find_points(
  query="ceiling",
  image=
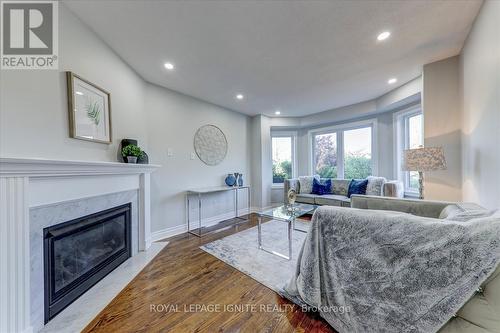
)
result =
(301, 57)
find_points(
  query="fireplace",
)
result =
(80, 252)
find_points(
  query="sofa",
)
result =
(481, 314)
(338, 195)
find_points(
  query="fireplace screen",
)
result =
(81, 252)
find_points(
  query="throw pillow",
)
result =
(357, 186)
(306, 183)
(375, 185)
(322, 187)
(340, 186)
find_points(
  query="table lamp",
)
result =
(424, 159)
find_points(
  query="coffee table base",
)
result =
(291, 227)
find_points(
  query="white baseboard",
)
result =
(205, 222)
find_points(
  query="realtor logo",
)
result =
(29, 36)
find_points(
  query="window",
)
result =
(414, 138)
(410, 135)
(358, 153)
(344, 152)
(325, 155)
(283, 153)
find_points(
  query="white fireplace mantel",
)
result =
(25, 183)
(30, 167)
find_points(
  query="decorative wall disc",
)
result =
(210, 144)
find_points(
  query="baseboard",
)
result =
(168, 232)
(206, 222)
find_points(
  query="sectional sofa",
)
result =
(339, 194)
(481, 314)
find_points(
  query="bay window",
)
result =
(344, 151)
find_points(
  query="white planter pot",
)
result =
(132, 159)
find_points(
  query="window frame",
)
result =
(402, 142)
(293, 136)
(339, 130)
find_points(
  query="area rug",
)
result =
(241, 251)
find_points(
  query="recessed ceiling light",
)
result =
(79, 93)
(384, 35)
(277, 112)
(169, 66)
(240, 96)
(393, 80)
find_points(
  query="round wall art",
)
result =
(210, 144)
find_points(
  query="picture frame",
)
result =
(89, 110)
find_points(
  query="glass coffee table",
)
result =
(288, 214)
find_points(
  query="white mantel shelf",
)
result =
(22, 180)
(37, 167)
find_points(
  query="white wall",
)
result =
(261, 161)
(34, 123)
(480, 87)
(172, 121)
(33, 103)
(442, 127)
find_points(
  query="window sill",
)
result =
(277, 186)
(412, 195)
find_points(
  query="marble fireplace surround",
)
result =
(35, 193)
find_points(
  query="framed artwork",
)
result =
(89, 108)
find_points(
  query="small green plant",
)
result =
(131, 150)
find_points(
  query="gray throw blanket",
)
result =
(389, 271)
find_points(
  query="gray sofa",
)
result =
(481, 314)
(338, 197)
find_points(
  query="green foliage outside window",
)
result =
(357, 166)
(282, 171)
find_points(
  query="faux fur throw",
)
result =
(389, 271)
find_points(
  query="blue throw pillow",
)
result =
(357, 186)
(321, 188)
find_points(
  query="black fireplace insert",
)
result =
(80, 252)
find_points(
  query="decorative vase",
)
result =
(236, 175)
(230, 179)
(132, 159)
(292, 196)
(240, 180)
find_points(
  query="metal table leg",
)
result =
(237, 201)
(260, 231)
(199, 214)
(248, 199)
(236, 205)
(187, 203)
(259, 228)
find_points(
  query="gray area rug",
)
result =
(241, 251)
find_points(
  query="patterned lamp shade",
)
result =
(424, 159)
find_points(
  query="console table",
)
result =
(199, 192)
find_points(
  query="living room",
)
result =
(187, 166)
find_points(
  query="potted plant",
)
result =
(131, 153)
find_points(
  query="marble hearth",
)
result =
(36, 193)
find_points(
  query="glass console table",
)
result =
(198, 193)
(288, 214)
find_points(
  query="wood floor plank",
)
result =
(182, 277)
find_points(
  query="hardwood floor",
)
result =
(174, 293)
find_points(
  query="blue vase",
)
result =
(230, 179)
(240, 180)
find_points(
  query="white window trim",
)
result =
(373, 123)
(285, 134)
(400, 142)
